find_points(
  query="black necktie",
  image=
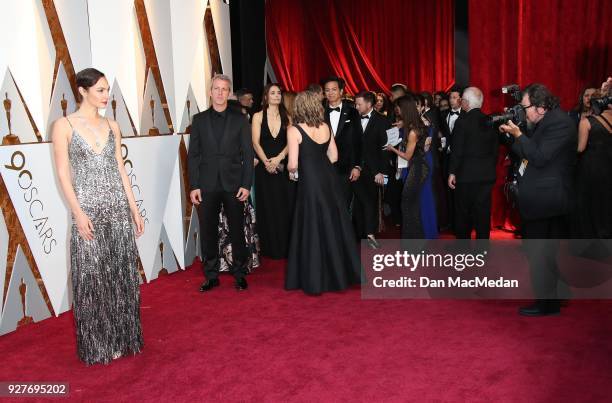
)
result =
(365, 117)
(454, 113)
(337, 109)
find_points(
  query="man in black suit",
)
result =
(472, 167)
(343, 120)
(373, 133)
(544, 188)
(447, 126)
(220, 162)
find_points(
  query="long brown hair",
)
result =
(308, 109)
(409, 114)
(284, 115)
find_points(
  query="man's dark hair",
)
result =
(367, 96)
(541, 96)
(456, 88)
(336, 79)
(242, 92)
(399, 87)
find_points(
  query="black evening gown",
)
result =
(322, 253)
(273, 196)
(594, 186)
(412, 225)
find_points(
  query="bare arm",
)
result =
(583, 134)
(407, 155)
(61, 135)
(332, 149)
(294, 138)
(127, 186)
(256, 134)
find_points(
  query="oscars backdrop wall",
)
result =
(149, 50)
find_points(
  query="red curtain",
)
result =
(372, 44)
(564, 44)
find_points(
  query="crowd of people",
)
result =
(309, 174)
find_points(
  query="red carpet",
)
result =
(267, 344)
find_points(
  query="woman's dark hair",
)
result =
(284, 115)
(87, 78)
(540, 96)
(580, 107)
(386, 108)
(409, 114)
(428, 99)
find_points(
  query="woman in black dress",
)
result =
(594, 177)
(412, 226)
(322, 254)
(273, 196)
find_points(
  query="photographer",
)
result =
(548, 156)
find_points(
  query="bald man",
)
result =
(472, 167)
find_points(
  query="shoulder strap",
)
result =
(108, 123)
(608, 124)
(70, 123)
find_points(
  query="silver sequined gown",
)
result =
(104, 271)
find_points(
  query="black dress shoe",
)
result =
(209, 284)
(241, 284)
(541, 309)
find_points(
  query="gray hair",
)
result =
(473, 96)
(222, 77)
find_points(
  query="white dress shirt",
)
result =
(452, 118)
(334, 119)
(364, 122)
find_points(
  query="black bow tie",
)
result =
(365, 117)
(337, 109)
(454, 113)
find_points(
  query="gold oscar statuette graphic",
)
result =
(153, 130)
(64, 105)
(188, 128)
(10, 138)
(114, 106)
(163, 271)
(26, 319)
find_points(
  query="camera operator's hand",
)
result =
(511, 128)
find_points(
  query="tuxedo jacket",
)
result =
(546, 184)
(229, 159)
(347, 138)
(474, 150)
(373, 158)
(445, 129)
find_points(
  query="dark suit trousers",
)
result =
(541, 245)
(209, 222)
(365, 205)
(473, 210)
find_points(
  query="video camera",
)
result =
(515, 113)
(600, 104)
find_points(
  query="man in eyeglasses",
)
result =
(545, 174)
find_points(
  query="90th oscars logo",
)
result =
(135, 188)
(36, 207)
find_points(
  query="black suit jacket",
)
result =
(374, 158)
(544, 188)
(474, 150)
(445, 129)
(347, 137)
(230, 159)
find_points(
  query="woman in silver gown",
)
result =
(103, 254)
